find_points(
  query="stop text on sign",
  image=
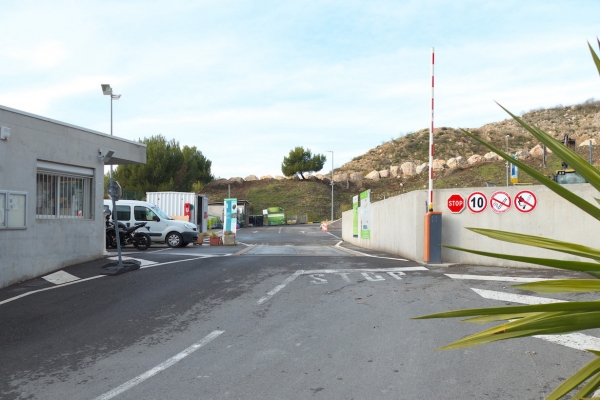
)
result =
(456, 203)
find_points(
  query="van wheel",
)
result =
(174, 239)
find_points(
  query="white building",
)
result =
(51, 190)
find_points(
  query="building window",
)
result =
(61, 195)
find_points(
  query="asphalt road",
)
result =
(289, 313)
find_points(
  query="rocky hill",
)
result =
(400, 165)
(581, 122)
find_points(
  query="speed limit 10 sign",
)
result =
(477, 202)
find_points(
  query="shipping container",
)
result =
(192, 207)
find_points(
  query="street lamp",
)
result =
(331, 151)
(107, 90)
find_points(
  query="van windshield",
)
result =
(159, 212)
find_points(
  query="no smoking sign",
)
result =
(500, 202)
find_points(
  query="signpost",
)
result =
(500, 202)
(514, 173)
(477, 202)
(525, 201)
(456, 203)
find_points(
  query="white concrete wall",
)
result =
(47, 245)
(397, 225)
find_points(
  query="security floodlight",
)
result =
(115, 96)
(106, 89)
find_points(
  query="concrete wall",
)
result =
(397, 225)
(46, 245)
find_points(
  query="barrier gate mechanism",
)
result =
(432, 243)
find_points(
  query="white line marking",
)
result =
(60, 277)
(50, 288)
(341, 272)
(396, 275)
(279, 287)
(143, 263)
(374, 278)
(173, 262)
(577, 341)
(161, 367)
(514, 298)
(365, 254)
(496, 278)
(337, 271)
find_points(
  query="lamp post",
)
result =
(331, 151)
(107, 90)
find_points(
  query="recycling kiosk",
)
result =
(432, 242)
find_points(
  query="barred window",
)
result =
(61, 195)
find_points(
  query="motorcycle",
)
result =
(127, 235)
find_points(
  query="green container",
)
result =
(276, 219)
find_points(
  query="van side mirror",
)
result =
(155, 218)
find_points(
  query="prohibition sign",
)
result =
(525, 201)
(477, 202)
(500, 202)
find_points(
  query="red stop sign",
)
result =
(456, 203)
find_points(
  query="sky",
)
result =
(247, 81)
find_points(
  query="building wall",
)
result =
(397, 225)
(46, 245)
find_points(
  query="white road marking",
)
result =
(279, 287)
(60, 277)
(317, 275)
(577, 341)
(161, 367)
(514, 298)
(374, 278)
(337, 271)
(496, 278)
(317, 279)
(143, 263)
(396, 275)
(50, 288)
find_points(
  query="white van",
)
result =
(161, 228)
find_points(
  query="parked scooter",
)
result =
(141, 240)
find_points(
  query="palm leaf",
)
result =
(595, 56)
(587, 267)
(537, 241)
(537, 324)
(576, 379)
(575, 161)
(484, 319)
(555, 187)
(562, 286)
(575, 307)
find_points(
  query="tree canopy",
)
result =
(168, 168)
(301, 161)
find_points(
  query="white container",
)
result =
(173, 203)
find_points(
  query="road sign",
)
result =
(456, 203)
(500, 202)
(477, 202)
(525, 201)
